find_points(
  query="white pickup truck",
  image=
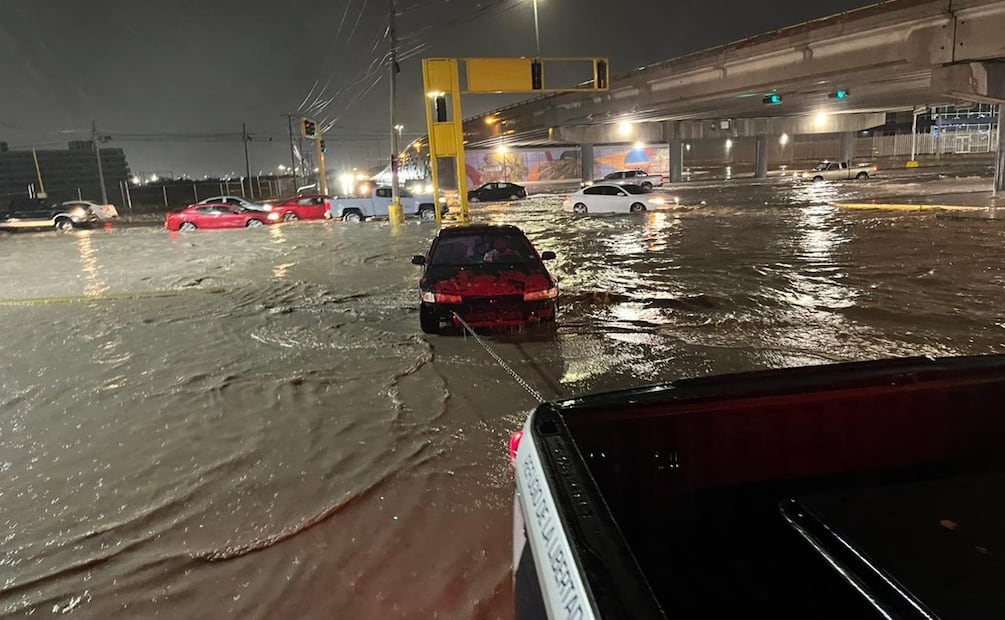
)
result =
(378, 205)
(868, 490)
(839, 171)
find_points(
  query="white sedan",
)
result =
(102, 212)
(610, 198)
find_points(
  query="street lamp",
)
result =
(399, 129)
(537, 31)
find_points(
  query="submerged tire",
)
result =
(428, 322)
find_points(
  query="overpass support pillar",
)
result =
(677, 161)
(1000, 156)
(848, 146)
(586, 159)
(761, 158)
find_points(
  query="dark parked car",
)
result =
(28, 213)
(497, 191)
(489, 276)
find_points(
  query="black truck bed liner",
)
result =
(853, 490)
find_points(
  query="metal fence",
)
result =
(182, 193)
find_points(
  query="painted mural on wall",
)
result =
(607, 159)
(522, 166)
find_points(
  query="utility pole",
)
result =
(38, 173)
(247, 161)
(396, 213)
(97, 155)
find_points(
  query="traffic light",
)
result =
(536, 75)
(772, 99)
(440, 105)
(602, 75)
(841, 93)
(310, 129)
(324, 149)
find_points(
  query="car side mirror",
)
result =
(548, 255)
(418, 260)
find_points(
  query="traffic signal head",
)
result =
(310, 129)
(324, 149)
(602, 75)
(536, 75)
(772, 99)
(841, 93)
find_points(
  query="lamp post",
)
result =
(537, 31)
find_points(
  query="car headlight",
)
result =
(273, 216)
(658, 201)
(429, 189)
(550, 293)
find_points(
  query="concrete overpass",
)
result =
(889, 56)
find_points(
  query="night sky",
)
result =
(165, 76)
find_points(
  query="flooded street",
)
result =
(250, 423)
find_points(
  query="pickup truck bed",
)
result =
(864, 490)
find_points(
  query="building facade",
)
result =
(66, 174)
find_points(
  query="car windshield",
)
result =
(482, 248)
(634, 189)
(820, 167)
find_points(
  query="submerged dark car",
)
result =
(497, 191)
(489, 276)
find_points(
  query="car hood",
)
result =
(487, 280)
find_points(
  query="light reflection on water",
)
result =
(307, 422)
(94, 286)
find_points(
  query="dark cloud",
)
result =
(197, 67)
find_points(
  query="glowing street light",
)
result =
(625, 128)
(784, 139)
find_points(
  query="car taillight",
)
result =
(550, 293)
(439, 298)
(514, 445)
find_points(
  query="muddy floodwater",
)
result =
(250, 423)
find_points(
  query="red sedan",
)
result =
(303, 208)
(218, 216)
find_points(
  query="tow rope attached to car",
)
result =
(516, 376)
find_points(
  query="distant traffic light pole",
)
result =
(309, 130)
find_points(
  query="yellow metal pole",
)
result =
(434, 163)
(462, 168)
(322, 166)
